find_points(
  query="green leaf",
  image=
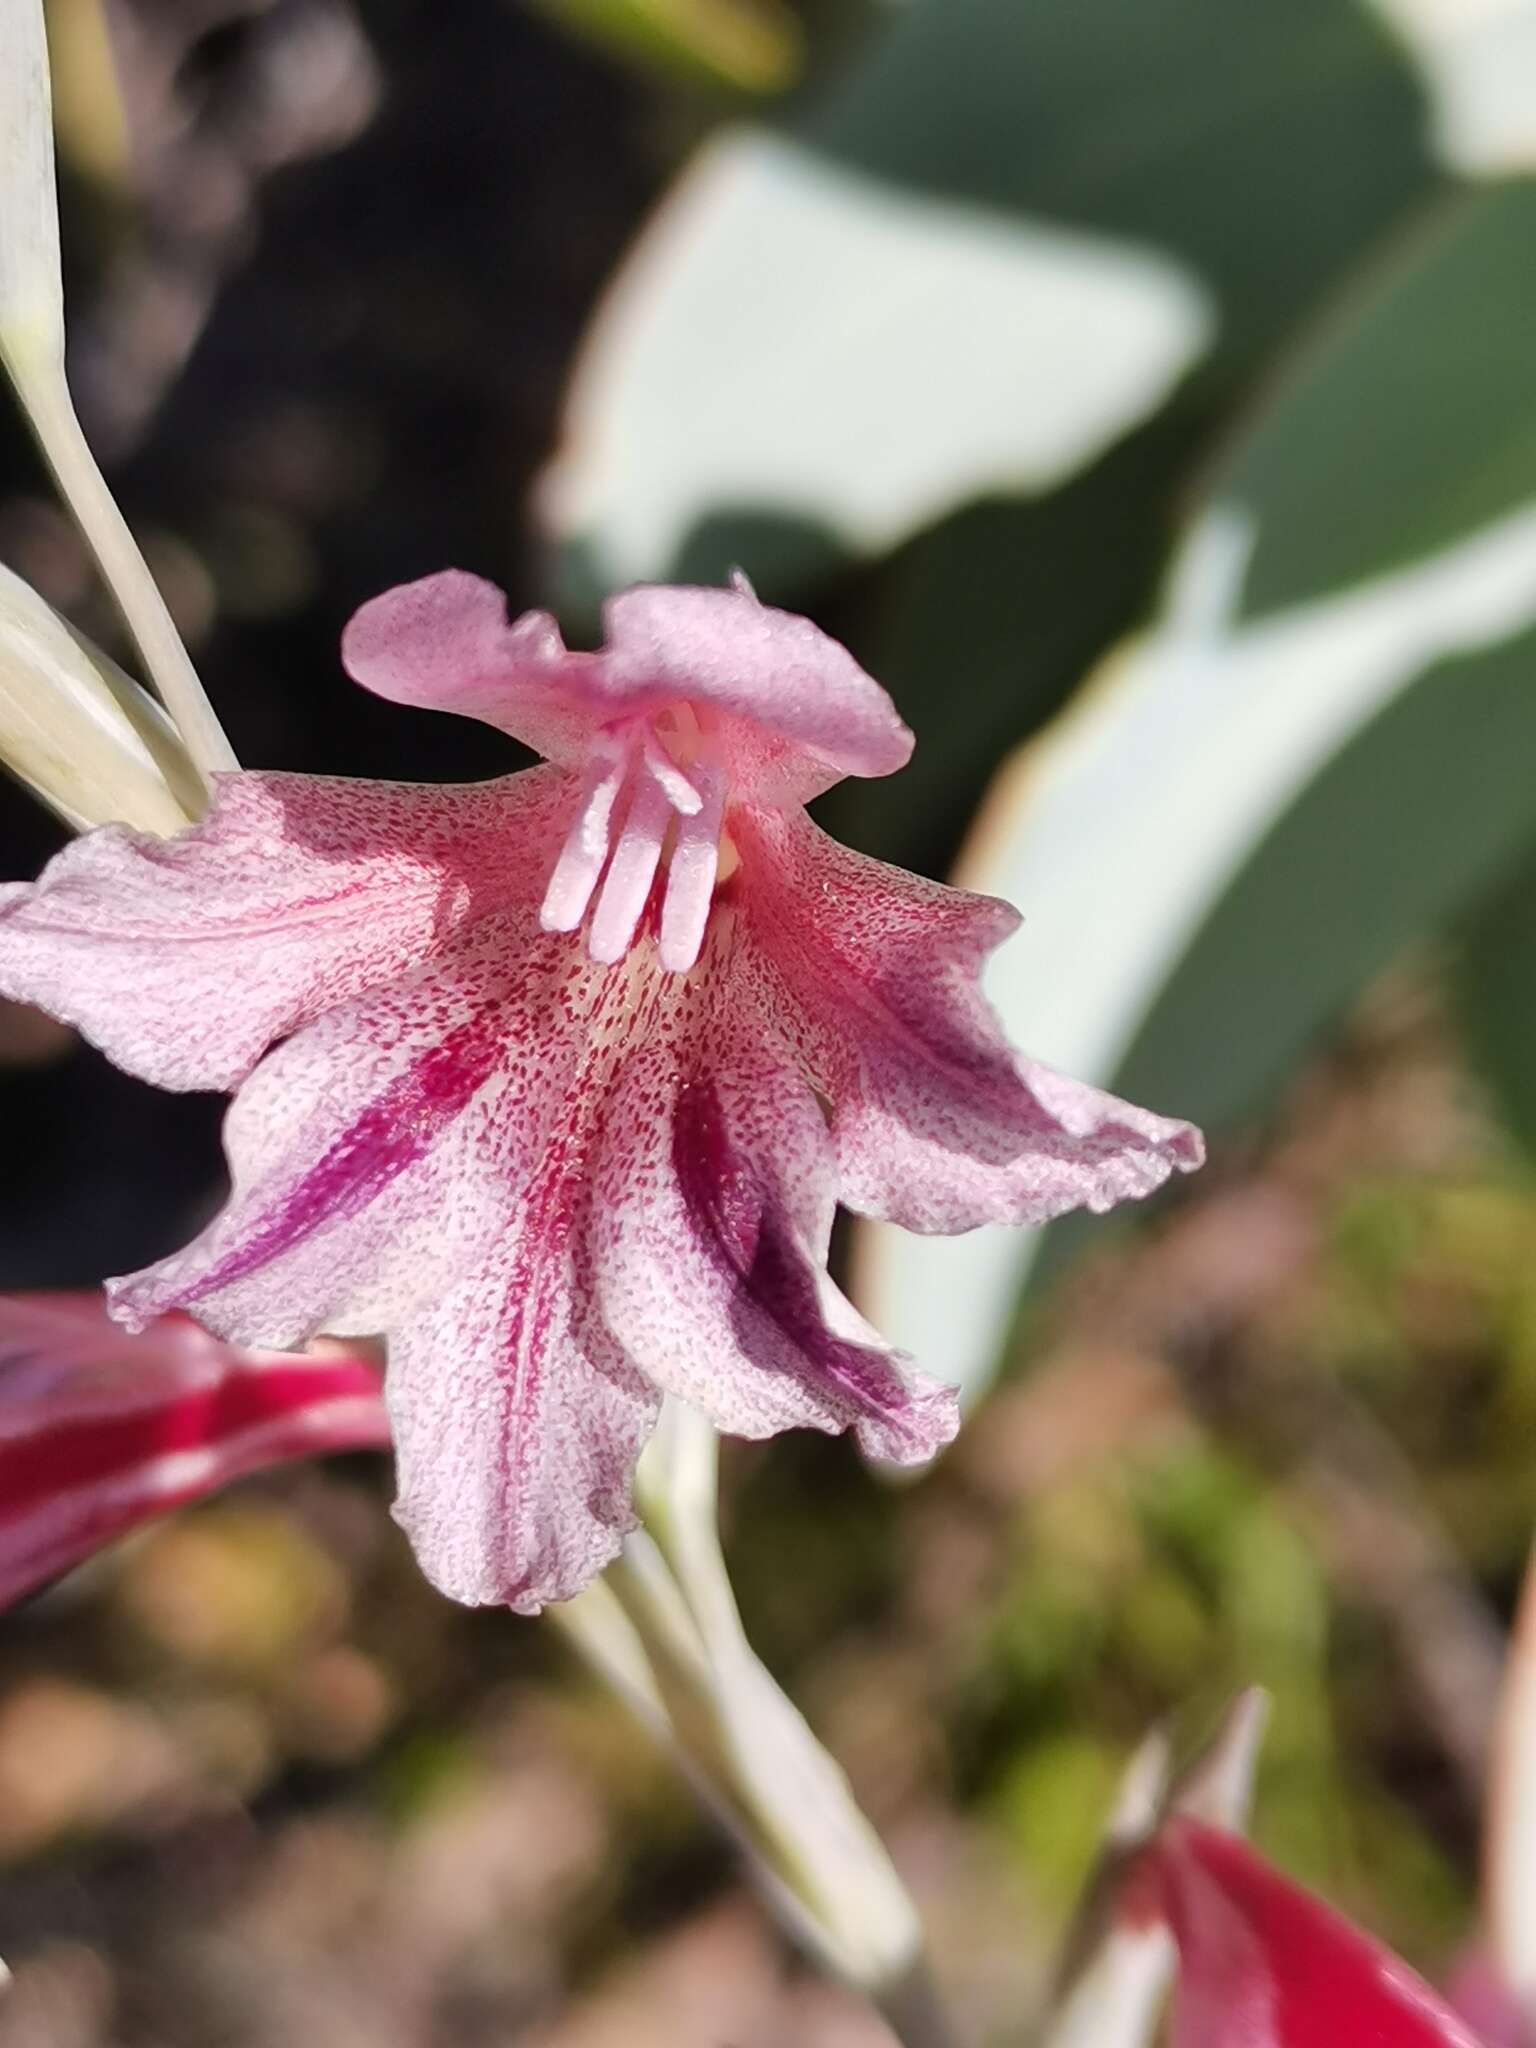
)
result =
(1413, 423)
(1494, 979)
(1260, 146)
(1405, 826)
(1252, 811)
(982, 254)
(824, 358)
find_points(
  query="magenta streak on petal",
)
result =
(393, 1131)
(742, 1229)
(532, 1334)
(631, 872)
(691, 876)
(586, 847)
(541, 1291)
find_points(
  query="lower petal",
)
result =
(713, 1211)
(517, 1426)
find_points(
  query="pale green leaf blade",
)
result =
(808, 346)
(1510, 1821)
(1479, 62)
(32, 353)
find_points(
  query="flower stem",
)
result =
(662, 1626)
(45, 395)
(634, 1628)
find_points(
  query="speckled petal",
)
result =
(794, 712)
(184, 958)
(417, 1162)
(818, 715)
(872, 974)
(715, 1194)
(445, 643)
(517, 1425)
(379, 1154)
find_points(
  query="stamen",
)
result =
(630, 872)
(681, 793)
(586, 846)
(691, 876)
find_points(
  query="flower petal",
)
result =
(418, 1162)
(517, 1423)
(824, 717)
(445, 643)
(184, 958)
(100, 1431)
(939, 1125)
(379, 1153)
(715, 1194)
(799, 713)
(1263, 1964)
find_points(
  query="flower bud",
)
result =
(81, 734)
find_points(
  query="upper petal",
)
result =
(939, 1124)
(99, 1431)
(715, 1192)
(184, 958)
(794, 712)
(811, 714)
(445, 643)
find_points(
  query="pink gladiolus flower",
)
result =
(566, 1072)
(1263, 1964)
(100, 1431)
